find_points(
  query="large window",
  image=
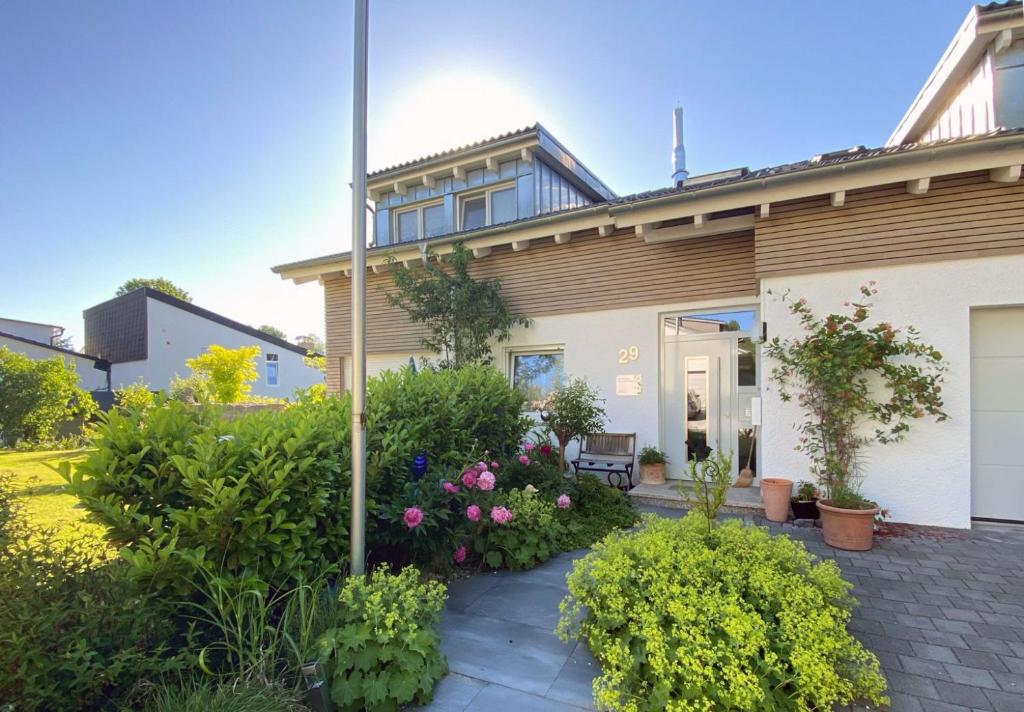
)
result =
(273, 369)
(536, 374)
(420, 222)
(488, 207)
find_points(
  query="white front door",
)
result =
(700, 401)
(997, 414)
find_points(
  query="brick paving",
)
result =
(942, 609)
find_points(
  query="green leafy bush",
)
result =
(38, 396)
(136, 396)
(573, 411)
(384, 651)
(71, 630)
(182, 489)
(595, 511)
(227, 373)
(531, 538)
(735, 619)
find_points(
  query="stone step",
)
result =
(741, 500)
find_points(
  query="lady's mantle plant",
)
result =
(846, 374)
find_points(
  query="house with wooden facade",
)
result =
(662, 299)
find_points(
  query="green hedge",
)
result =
(734, 620)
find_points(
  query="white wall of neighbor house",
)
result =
(926, 479)
(42, 333)
(89, 377)
(175, 335)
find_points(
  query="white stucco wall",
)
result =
(27, 330)
(925, 479)
(175, 335)
(89, 377)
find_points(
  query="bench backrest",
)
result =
(610, 443)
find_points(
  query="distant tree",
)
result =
(226, 373)
(37, 396)
(64, 342)
(273, 331)
(158, 283)
(311, 342)
(463, 314)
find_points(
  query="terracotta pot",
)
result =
(775, 494)
(652, 474)
(847, 529)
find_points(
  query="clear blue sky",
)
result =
(207, 141)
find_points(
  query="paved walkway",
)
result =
(942, 609)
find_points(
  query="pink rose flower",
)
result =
(412, 517)
(469, 478)
(473, 513)
(485, 481)
(481, 466)
(495, 465)
(450, 488)
(460, 555)
(528, 446)
(545, 449)
(524, 460)
(563, 501)
(501, 515)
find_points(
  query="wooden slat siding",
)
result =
(590, 273)
(961, 216)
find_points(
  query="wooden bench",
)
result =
(609, 453)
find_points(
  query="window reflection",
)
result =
(537, 375)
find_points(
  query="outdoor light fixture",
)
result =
(419, 466)
(318, 696)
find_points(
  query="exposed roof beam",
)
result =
(699, 219)
(479, 252)
(1003, 41)
(347, 272)
(1005, 174)
(492, 164)
(381, 267)
(429, 182)
(401, 188)
(606, 230)
(709, 227)
(526, 155)
(458, 173)
(838, 198)
(642, 229)
(919, 186)
(520, 245)
(373, 195)
(410, 262)
(562, 237)
(765, 209)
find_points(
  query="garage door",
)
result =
(997, 414)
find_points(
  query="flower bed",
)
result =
(681, 618)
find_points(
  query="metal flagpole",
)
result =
(358, 527)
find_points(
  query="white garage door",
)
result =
(997, 414)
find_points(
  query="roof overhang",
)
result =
(717, 209)
(980, 28)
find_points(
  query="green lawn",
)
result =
(40, 488)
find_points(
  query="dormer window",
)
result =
(488, 207)
(420, 222)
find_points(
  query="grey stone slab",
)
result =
(965, 695)
(453, 693)
(972, 676)
(1010, 682)
(495, 697)
(939, 653)
(574, 684)
(510, 654)
(521, 601)
(463, 592)
(1005, 701)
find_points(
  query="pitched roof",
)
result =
(100, 363)
(853, 155)
(518, 133)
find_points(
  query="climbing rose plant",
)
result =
(847, 373)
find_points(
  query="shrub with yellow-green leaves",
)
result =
(737, 619)
(384, 651)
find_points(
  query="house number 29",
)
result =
(629, 354)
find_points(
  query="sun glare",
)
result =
(446, 110)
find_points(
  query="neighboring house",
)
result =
(147, 336)
(36, 341)
(661, 299)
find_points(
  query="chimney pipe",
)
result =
(679, 172)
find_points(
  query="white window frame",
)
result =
(418, 208)
(544, 350)
(276, 360)
(486, 193)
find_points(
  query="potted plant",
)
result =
(847, 373)
(775, 494)
(805, 503)
(652, 465)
